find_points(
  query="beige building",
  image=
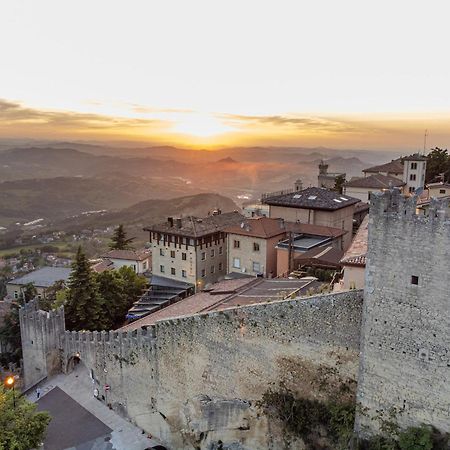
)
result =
(252, 246)
(191, 249)
(315, 206)
(362, 188)
(139, 260)
(438, 190)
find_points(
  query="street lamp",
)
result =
(10, 383)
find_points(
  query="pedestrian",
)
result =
(38, 393)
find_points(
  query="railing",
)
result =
(267, 195)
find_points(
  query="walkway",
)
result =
(78, 386)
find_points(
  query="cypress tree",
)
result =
(119, 240)
(85, 307)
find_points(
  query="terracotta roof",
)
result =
(356, 254)
(132, 255)
(262, 227)
(415, 157)
(321, 257)
(196, 227)
(312, 198)
(375, 181)
(439, 184)
(101, 266)
(395, 166)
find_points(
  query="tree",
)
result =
(339, 184)
(119, 240)
(10, 335)
(438, 162)
(120, 289)
(85, 307)
(27, 293)
(51, 295)
(21, 427)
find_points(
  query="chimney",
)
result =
(170, 220)
(179, 223)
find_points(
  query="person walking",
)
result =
(38, 393)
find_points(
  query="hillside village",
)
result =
(297, 243)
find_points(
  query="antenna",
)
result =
(425, 141)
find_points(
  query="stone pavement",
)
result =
(78, 385)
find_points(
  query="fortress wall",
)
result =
(41, 335)
(214, 368)
(195, 381)
(405, 361)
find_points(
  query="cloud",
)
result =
(14, 114)
(291, 123)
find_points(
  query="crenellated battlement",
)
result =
(392, 204)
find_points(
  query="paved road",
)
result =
(71, 424)
(78, 387)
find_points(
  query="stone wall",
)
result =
(42, 338)
(194, 382)
(405, 360)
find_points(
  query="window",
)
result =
(411, 189)
(16, 295)
(255, 247)
(220, 266)
(161, 252)
(183, 273)
(184, 256)
(413, 166)
(172, 253)
(236, 263)
(213, 253)
(203, 256)
(144, 265)
(441, 191)
(134, 267)
(172, 271)
(161, 269)
(236, 244)
(412, 177)
(414, 279)
(213, 269)
(203, 273)
(220, 250)
(256, 267)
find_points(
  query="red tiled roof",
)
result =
(395, 166)
(356, 254)
(262, 227)
(376, 181)
(133, 255)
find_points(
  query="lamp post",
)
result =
(10, 383)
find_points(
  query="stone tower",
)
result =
(405, 351)
(42, 335)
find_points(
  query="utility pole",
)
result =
(425, 141)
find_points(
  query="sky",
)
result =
(204, 73)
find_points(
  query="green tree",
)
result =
(21, 427)
(51, 293)
(339, 184)
(112, 289)
(85, 307)
(10, 335)
(438, 162)
(416, 438)
(27, 293)
(120, 289)
(119, 240)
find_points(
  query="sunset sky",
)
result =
(344, 74)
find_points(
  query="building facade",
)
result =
(252, 244)
(316, 206)
(191, 249)
(139, 260)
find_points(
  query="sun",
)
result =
(200, 125)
